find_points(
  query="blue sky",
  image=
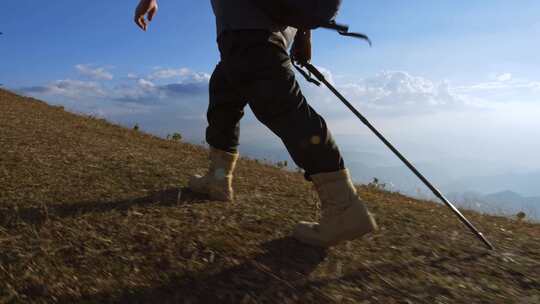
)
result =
(461, 40)
(450, 82)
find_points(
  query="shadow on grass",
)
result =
(38, 215)
(386, 273)
(281, 271)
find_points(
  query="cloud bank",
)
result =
(98, 73)
(422, 115)
(155, 88)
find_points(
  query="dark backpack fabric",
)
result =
(303, 14)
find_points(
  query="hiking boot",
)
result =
(217, 183)
(344, 216)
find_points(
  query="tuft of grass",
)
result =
(92, 212)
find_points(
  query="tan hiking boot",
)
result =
(344, 215)
(217, 183)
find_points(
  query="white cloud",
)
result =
(199, 78)
(143, 90)
(99, 73)
(152, 88)
(147, 91)
(75, 89)
(390, 100)
(401, 91)
(388, 93)
(186, 75)
(504, 77)
(504, 85)
(165, 73)
(146, 84)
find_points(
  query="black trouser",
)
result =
(255, 69)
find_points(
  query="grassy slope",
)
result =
(90, 212)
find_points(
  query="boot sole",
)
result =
(347, 235)
(350, 235)
(212, 194)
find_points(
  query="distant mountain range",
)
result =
(526, 184)
(504, 203)
(488, 194)
(497, 193)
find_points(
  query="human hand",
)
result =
(148, 9)
(301, 49)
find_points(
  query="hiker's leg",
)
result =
(262, 72)
(303, 131)
(225, 110)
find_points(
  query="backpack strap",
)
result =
(343, 30)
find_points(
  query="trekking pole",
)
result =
(314, 71)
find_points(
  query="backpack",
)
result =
(302, 14)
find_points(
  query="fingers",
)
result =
(141, 22)
(137, 22)
(152, 13)
(145, 9)
(301, 53)
(144, 23)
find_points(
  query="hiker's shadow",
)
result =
(283, 268)
(39, 214)
(281, 271)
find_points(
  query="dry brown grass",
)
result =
(90, 212)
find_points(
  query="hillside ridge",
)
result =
(94, 212)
